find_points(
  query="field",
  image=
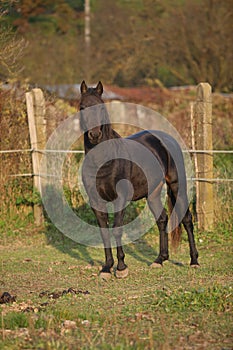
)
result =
(51, 294)
(61, 303)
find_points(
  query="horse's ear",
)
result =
(83, 87)
(99, 88)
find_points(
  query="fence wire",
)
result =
(44, 151)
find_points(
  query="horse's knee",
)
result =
(102, 218)
(162, 220)
(117, 236)
(188, 220)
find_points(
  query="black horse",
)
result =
(101, 181)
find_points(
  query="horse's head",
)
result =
(92, 112)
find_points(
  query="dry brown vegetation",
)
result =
(154, 43)
(16, 192)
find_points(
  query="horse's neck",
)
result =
(109, 133)
(115, 134)
(87, 145)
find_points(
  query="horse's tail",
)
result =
(175, 226)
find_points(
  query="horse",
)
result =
(96, 126)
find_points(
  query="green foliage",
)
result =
(14, 320)
(223, 165)
(78, 5)
(166, 76)
(29, 199)
(214, 299)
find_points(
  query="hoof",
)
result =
(195, 266)
(105, 276)
(122, 273)
(156, 265)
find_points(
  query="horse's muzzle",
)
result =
(95, 136)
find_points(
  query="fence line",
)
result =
(17, 150)
(211, 180)
(209, 151)
(23, 175)
(81, 151)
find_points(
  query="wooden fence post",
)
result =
(37, 130)
(201, 122)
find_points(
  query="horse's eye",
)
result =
(81, 107)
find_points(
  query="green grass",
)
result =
(175, 307)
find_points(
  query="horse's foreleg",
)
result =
(122, 270)
(163, 239)
(102, 219)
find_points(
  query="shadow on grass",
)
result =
(67, 246)
(141, 250)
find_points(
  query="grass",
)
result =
(175, 307)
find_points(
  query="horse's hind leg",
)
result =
(160, 214)
(185, 216)
(188, 225)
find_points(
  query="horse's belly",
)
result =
(140, 187)
(106, 191)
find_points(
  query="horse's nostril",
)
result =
(95, 135)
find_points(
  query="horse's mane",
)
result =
(108, 131)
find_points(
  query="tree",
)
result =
(11, 50)
(182, 43)
(198, 39)
(123, 38)
(139, 42)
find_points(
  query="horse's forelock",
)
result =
(90, 98)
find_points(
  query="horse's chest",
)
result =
(106, 184)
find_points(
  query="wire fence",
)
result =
(44, 151)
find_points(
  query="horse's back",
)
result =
(156, 138)
(166, 149)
